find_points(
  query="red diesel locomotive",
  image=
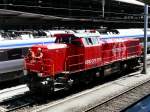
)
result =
(73, 59)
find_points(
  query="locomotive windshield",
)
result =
(67, 39)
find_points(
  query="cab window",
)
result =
(3, 55)
(63, 40)
(94, 40)
(89, 41)
(66, 40)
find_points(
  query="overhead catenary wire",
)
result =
(69, 9)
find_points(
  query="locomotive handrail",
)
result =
(52, 69)
(116, 57)
(75, 64)
(121, 57)
(75, 55)
(71, 65)
(132, 46)
(51, 66)
(43, 64)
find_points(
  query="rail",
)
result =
(58, 102)
(72, 100)
(116, 96)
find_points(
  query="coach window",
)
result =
(14, 54)
(141, 39)
(3, 55)
(148, 39)
(24, 51)
(39, 34)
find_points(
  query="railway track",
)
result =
(20, 101)
(111, 103)
(124, 99)
(25, 100)
(8, 93)
(12, 95)
(15, 103)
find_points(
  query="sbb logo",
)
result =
(119, 49)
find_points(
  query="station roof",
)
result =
(145, 1)
(137, 2)
(13, 15)
(132, 2)
(8, 13)
(20, 14)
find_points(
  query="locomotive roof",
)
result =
(112, 40)
(78, 35)
(86, 35)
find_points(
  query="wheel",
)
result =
(33, 89)
(124, 69)
(49, 88)
(87, 77)
(69, 84)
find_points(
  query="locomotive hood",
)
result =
(46, 59)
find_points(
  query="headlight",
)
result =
(39, 74)
(25, 72)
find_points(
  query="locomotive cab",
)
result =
(55, 61)
(69, 39)
(75, 49)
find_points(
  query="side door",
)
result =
(92, 53)
(76, 55)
